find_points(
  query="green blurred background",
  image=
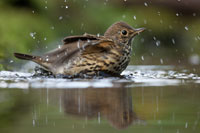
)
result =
(36, 26)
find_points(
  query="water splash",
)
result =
(32, 34)
(60, 18)
(133, 76)
(186, 28)
(145, 4)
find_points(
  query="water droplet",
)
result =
(59, 46)
(61, 17)
(33, 11)
(194, 59)
(65, 0)
(145, 21)
(186, 28)
(33, 122)
(98, 35)
(186, 125)
(66, 7)
(154, 38)
(142, 57)
(45, 38)
(173, 41)
(52, 27)
(124, 16)
(158, 13)
(158, 43)
(32, 34)
(177, 14)
(45, 7)
(47, 59)
(145, 4)
(161, 61)
(11, 61)
(78, 45)
(99, 117)
(134, 17)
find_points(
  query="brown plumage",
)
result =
(90, 54)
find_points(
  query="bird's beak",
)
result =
(139, 30)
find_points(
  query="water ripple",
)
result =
(134, 76)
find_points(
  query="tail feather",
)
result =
(36, 59)
(25, 56)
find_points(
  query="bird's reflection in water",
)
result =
(113, 104)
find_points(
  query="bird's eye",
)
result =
(124, 32)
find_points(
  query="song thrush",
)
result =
(91, 55)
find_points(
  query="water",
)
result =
(150, 99)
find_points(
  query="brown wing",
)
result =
(76, 46)
(86, 47)
(85, 37)
(71, 44)
(102, 45)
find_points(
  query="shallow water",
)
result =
(150, 99)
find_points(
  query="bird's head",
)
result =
(122, 32)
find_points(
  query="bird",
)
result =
(91, 55)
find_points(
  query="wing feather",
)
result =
(76, 46)
(85, 37)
